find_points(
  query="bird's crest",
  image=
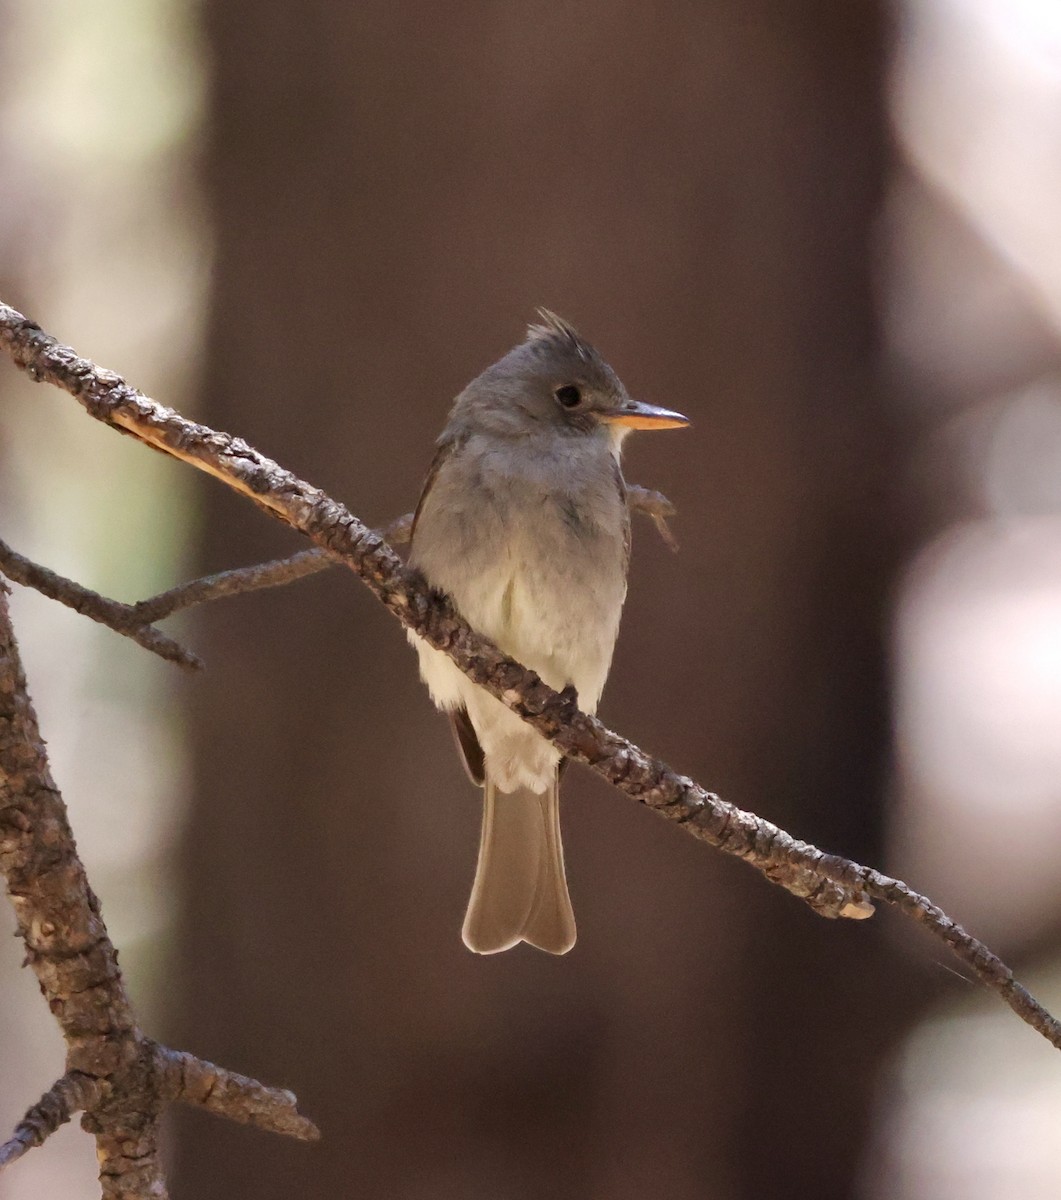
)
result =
(553, 326)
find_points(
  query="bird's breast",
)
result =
(534, 558)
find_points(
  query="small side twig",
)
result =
(196, 1082)
(656, 506)
(112, 613)
(136, 621)
(400, 531)
(67, 1096)
(280, 571)
(275, 573)
(232, 583)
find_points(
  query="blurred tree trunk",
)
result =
(395, 187)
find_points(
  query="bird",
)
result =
(523, 523)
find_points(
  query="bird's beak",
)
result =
(635, 415)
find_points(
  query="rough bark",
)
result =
(119, 1079)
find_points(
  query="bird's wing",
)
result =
(446, 447)
(464, 734)
(620, 484)
(467, 740)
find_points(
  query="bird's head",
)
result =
(555, 381)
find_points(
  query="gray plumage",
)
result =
(523, 522)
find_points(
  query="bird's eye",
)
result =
(569, 396)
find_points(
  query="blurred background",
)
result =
(828, 232)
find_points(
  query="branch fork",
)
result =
(116, 1076)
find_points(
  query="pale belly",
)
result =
(546, 587)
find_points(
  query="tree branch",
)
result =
(832, 885)
(135, 621)
(281, 571)
(196, 1082)
(655, 506)
(67, 1096)
(120, 617)
(274, 573)
(116, 1076)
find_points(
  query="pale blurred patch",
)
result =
(978, 110)
(106, 245)
(979, 643)
(974, 313)
(950, 1135)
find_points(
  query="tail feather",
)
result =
(520, 890)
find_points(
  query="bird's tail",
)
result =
(520, 890)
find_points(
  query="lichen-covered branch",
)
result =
(833, 886)
(116, 1076)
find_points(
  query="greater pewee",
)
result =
(523, 522)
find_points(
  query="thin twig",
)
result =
(654, 505)
(67, 1096)
(233, 583)
(832, 885)
(281, 571)
(135, 621)
(275, 573)
(117, 616)
(400, 531)
(196, 1082)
